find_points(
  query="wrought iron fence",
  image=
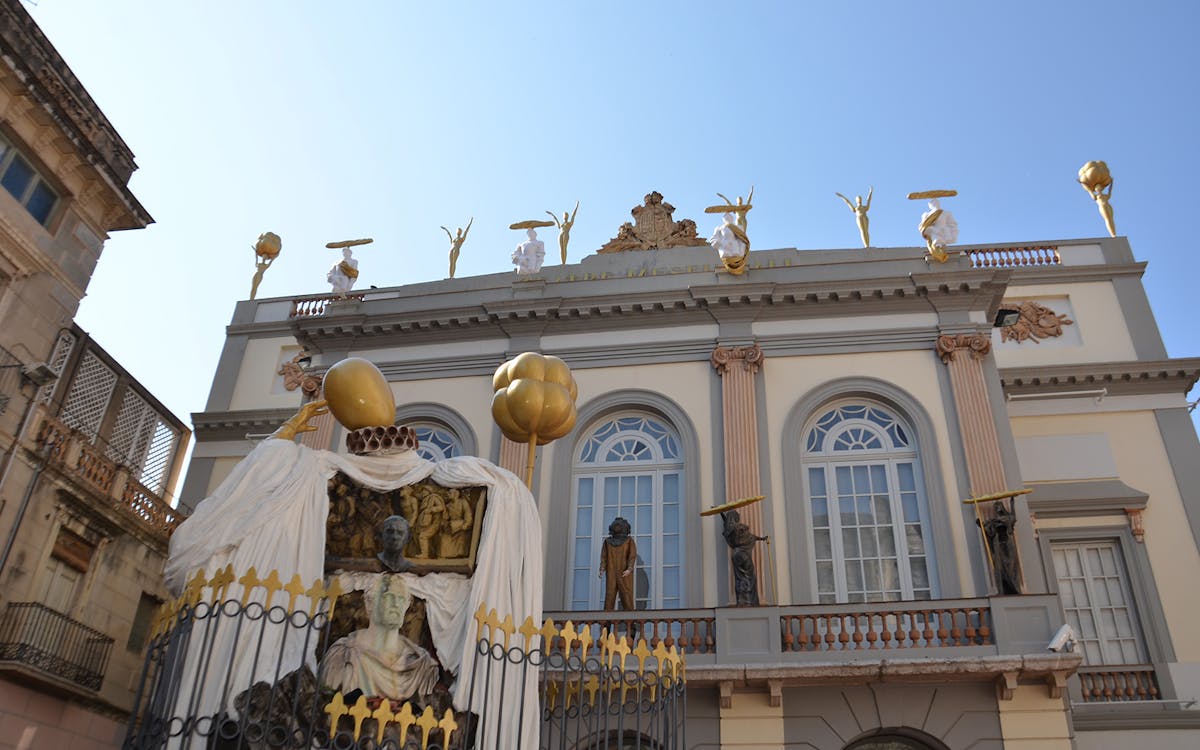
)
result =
(33, 634)
(227, 667)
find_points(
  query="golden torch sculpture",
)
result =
(533, 402)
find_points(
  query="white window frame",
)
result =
(891, 457)
(598, 470)
(1104, 647)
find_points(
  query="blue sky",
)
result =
(328, 121)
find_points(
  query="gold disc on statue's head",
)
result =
(359, 395)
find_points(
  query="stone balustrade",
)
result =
(314, 305)
(1118, 683)
(1014, 257)
(73, 453)
(897, 626)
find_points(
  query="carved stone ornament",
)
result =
(1035, 322)
(295, 377)
(750, 357)
(976, 344)
(654, 228)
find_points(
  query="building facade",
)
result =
(86, 453)
(865, 393)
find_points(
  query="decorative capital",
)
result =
(977, 344)
(750, 357)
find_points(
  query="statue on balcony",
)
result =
(999, 532)
(938, 226)
(530, 254)
(345, 272)
(741, 541)
(378, 660)
(618, 557)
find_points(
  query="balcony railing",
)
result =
(1118, 683)
(1014, 257)
(894, 625)
(308, 307)
(36, 636)
(71, 452)
(940, 624)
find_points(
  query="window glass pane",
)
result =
(816, 482)
(916, 545)
(41, 202)
(820, 512)
(825, 577)
(627, 488)
(583, 522)
(670, 518)
(670, 579)
(867, 542)
(644, 521)
(883, 509)
(17, 177)
(854, 576)
(585, 491)
(670, 549)
(645, 489)
(850, 542)
(583, 553)
(824, 545)
(905, 473)
(670, 488)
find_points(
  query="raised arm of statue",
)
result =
(298, 423)
(870, 192)
(846, 200)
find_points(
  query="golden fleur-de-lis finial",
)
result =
(642, 653)
(592, 687)
(405, 718)
(332, 592)
(272, 584)
(191, 591)
(661, 654)
(507, 627)
(382, 716)
(220, 583)
(568, 635)
(548, 632)
(248, 582)
(528, 630)
(360, 712)
(448, 725)
(427, 723)
(294, 588)
(315, 594)
(336, 709)
(585, 642)
(481, 620)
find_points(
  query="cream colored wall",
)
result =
(1032, 719)
(1097, 314)
(789, 379)
(688, 384)
(256, 378)
(471, 397)
(1142, 463)
(221, 469)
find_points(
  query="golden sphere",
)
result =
(534, 395)
(1095, 176)
(268, 246)
(359, 395)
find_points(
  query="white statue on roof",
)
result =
(530, 254)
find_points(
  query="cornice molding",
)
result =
(1119, 378)
(46, 78)
(379, 322)
(233, 425)
(1075, 274)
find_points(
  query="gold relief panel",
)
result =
(443, 526)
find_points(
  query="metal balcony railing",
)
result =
(37, 636)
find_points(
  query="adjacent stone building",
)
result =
(866, 393)
(86, 453)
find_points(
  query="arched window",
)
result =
(629, 465)
(870, 519)
(435, 442)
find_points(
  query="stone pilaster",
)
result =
(964, 355)
(513, 456)
(737, 367)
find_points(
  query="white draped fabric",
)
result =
(270, 514)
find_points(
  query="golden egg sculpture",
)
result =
(534, 398)
(268, 246)
(359, 395)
